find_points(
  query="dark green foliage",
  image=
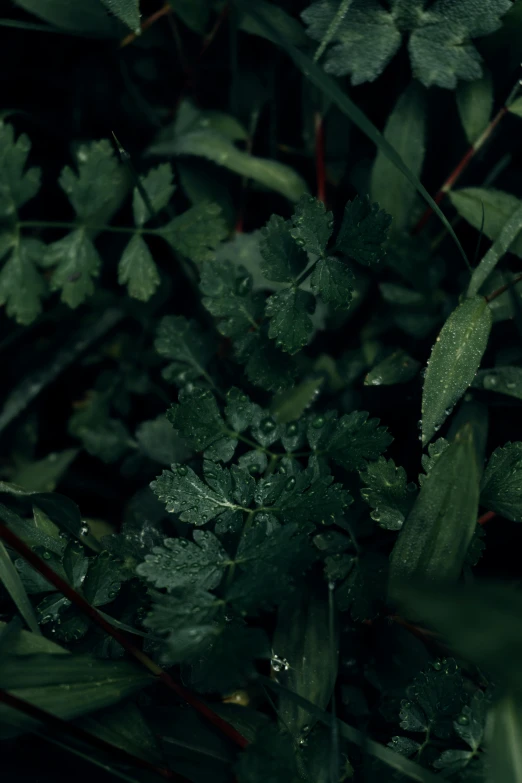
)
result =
(233, 546)
(439, 44)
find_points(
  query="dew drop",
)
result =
(318, 422)
(84, 530)
(244, 286)
(463, 720)
(266, 426)
(182, 470)
(291, 429)
(290, 483)
(46, 555)
(254, 470)
(437, 666)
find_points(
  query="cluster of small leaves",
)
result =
(96, 577)
(439, 37)
(96, 190)
(439, 707)
(260, 545)
(297, 255)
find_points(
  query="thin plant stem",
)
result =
(320, 169)
(131, 37)
(503, 288)
(462, 165)
(486, 517)
(16, 543)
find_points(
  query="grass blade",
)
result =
(500, 246)
(331, 89)
(10, 579)
(386, 755)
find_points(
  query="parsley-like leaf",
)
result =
(387, 492)
(333, 281)
(198, 419)
(17, 186)
(437, 697)
(440, 48)
(367, 26)
(363, 231)
(269, 563)
(184, 493)
(95, 191)
(137, 270)
(283, 258)
(159, 187)
(187, 346)
(501, 487)
(290, 323)
(197, 232)
(312, 225)
(349, 441)
(77, 263)
(21, 285)
(180, 563)
(227, 295)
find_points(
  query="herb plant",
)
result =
(261, 477)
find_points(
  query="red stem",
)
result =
(163, 11)
(460, 167)
(22, 549)
(486, 517)
(503, 289)
(62, 727)
(319, 157)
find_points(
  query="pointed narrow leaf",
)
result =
(80, 16)
(505, 741)
(216, 147)
(405, 130)
(503, 380)
(474, 102)
(66, 685)
(481, 622)
(396, 368)
(434, 540)
(302, 639)
(127, 11)
(497, 206)
(510, 231)
(10, 579)
(454, 361)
